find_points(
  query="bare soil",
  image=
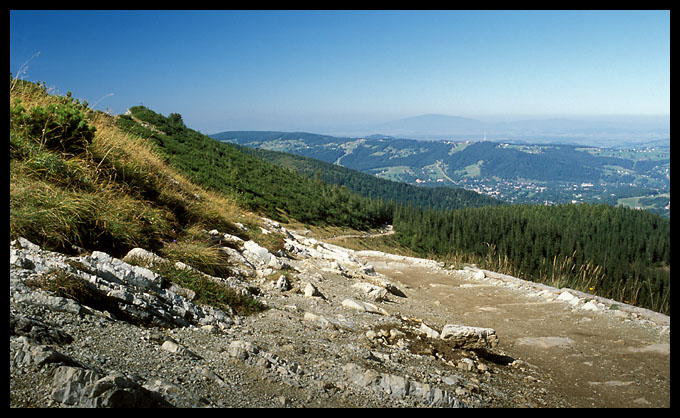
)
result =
(578, 358)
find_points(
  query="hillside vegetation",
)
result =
(78, 183)
(374, 187)
(76, 179)
(82, 179)
(273, 191)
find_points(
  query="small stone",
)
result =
(172, 347)
(363, 306)
(282, 283)
(311, 291)
(431, 333)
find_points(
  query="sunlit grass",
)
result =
(116, 193)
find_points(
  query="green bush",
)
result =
(60, 127)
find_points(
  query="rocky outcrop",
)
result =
(400, 387)
(105, 284)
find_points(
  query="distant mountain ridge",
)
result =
(375, 154)
(604, 131)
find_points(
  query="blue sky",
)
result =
(308, 70)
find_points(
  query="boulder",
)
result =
(462, 336)
(80, 387)
(115, 270)
(371, 291)
(259, 256)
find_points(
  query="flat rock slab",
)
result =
(545, 342)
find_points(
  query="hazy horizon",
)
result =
(647, 121)
(318, 70)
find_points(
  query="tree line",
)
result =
(614, 252)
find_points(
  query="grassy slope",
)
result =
(113, 193)
(108, 190)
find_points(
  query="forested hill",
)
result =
(635, 176)
(374, 187)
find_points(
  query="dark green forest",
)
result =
(614, 252)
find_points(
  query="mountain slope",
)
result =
(375, 187)
(82, 182)
(275, 192)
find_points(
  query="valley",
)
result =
(637, 176)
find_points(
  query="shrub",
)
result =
(57, 126)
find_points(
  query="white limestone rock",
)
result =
(469, 337)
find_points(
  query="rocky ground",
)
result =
(343, 328)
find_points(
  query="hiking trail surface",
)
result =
(343, 328)
(612, 357)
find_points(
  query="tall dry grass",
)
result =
(565, 272)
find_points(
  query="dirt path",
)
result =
(334, 238)
(589, 359)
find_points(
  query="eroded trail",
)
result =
(598, 358)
